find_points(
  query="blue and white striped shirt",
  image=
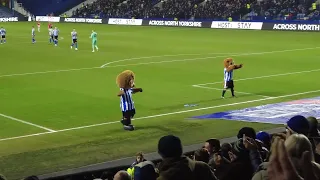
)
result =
(126, 102)
(56, 32)
(3, 32)
(74, 35)
(33, 32)
(228, 76)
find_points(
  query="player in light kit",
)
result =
(3, 33)
(56, 36)
(51, 35)
(33, 34)
(74, 36)
(38, 24)
(94, 40)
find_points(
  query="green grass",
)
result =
(61, 100)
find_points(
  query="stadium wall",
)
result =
(312, 26)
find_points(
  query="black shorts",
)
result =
(3, 36)
(229, 84)
(129, 114)
(51, 36)
(74, 40)
(56, 37)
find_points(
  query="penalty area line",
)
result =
(26, 122)
(165, 114)
(213, 57)
(239, 92)
(260, 77)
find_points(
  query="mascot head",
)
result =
(125, 79)
(228, 62)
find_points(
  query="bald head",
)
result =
(122, 175)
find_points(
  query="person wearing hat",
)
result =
(176, 166)
(145, 171)
(265, 138)
(297, 125)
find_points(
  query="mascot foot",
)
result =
(128, 128)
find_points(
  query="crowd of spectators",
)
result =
(115, 8)
(291, 155)
(198, 9)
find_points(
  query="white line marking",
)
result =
(260, 77)
(149, 57)
(161, 115)
(225, 54)
(46, 72)
(25, 122)
(158, 62)
(220, 89)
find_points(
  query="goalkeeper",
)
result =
(94, 40)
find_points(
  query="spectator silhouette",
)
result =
(177, 166)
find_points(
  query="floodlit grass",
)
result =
(167, 62)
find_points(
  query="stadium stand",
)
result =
(42, 8)
(6, 12)
(199, 9)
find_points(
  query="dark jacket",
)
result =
(185, 169)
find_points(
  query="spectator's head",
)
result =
(2, 177)
(265, 138)
(297, 125)
(31, 178)
(225, 149)
(297, 144)
(139, 157)
(248, 131)
(122, 175)
(212, 146)
(170, 146)
(106, 175)
(145, 171)
(313, 123)
(201, 155)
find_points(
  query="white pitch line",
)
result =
(25, 122)
(239, 54)
(161, 115)
(260, 77)
(220, 89)
(157, 62)
(149, 57)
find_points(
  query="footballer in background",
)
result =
(51, 38)
(50, 25)
(33, 35)
(3, 33)
(38, 24)
(74, 36)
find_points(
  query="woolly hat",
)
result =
(170, 146)
(248, 131)
(145, 171)
(299, 124)
(264, 137)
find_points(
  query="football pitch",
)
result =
(59, 109)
